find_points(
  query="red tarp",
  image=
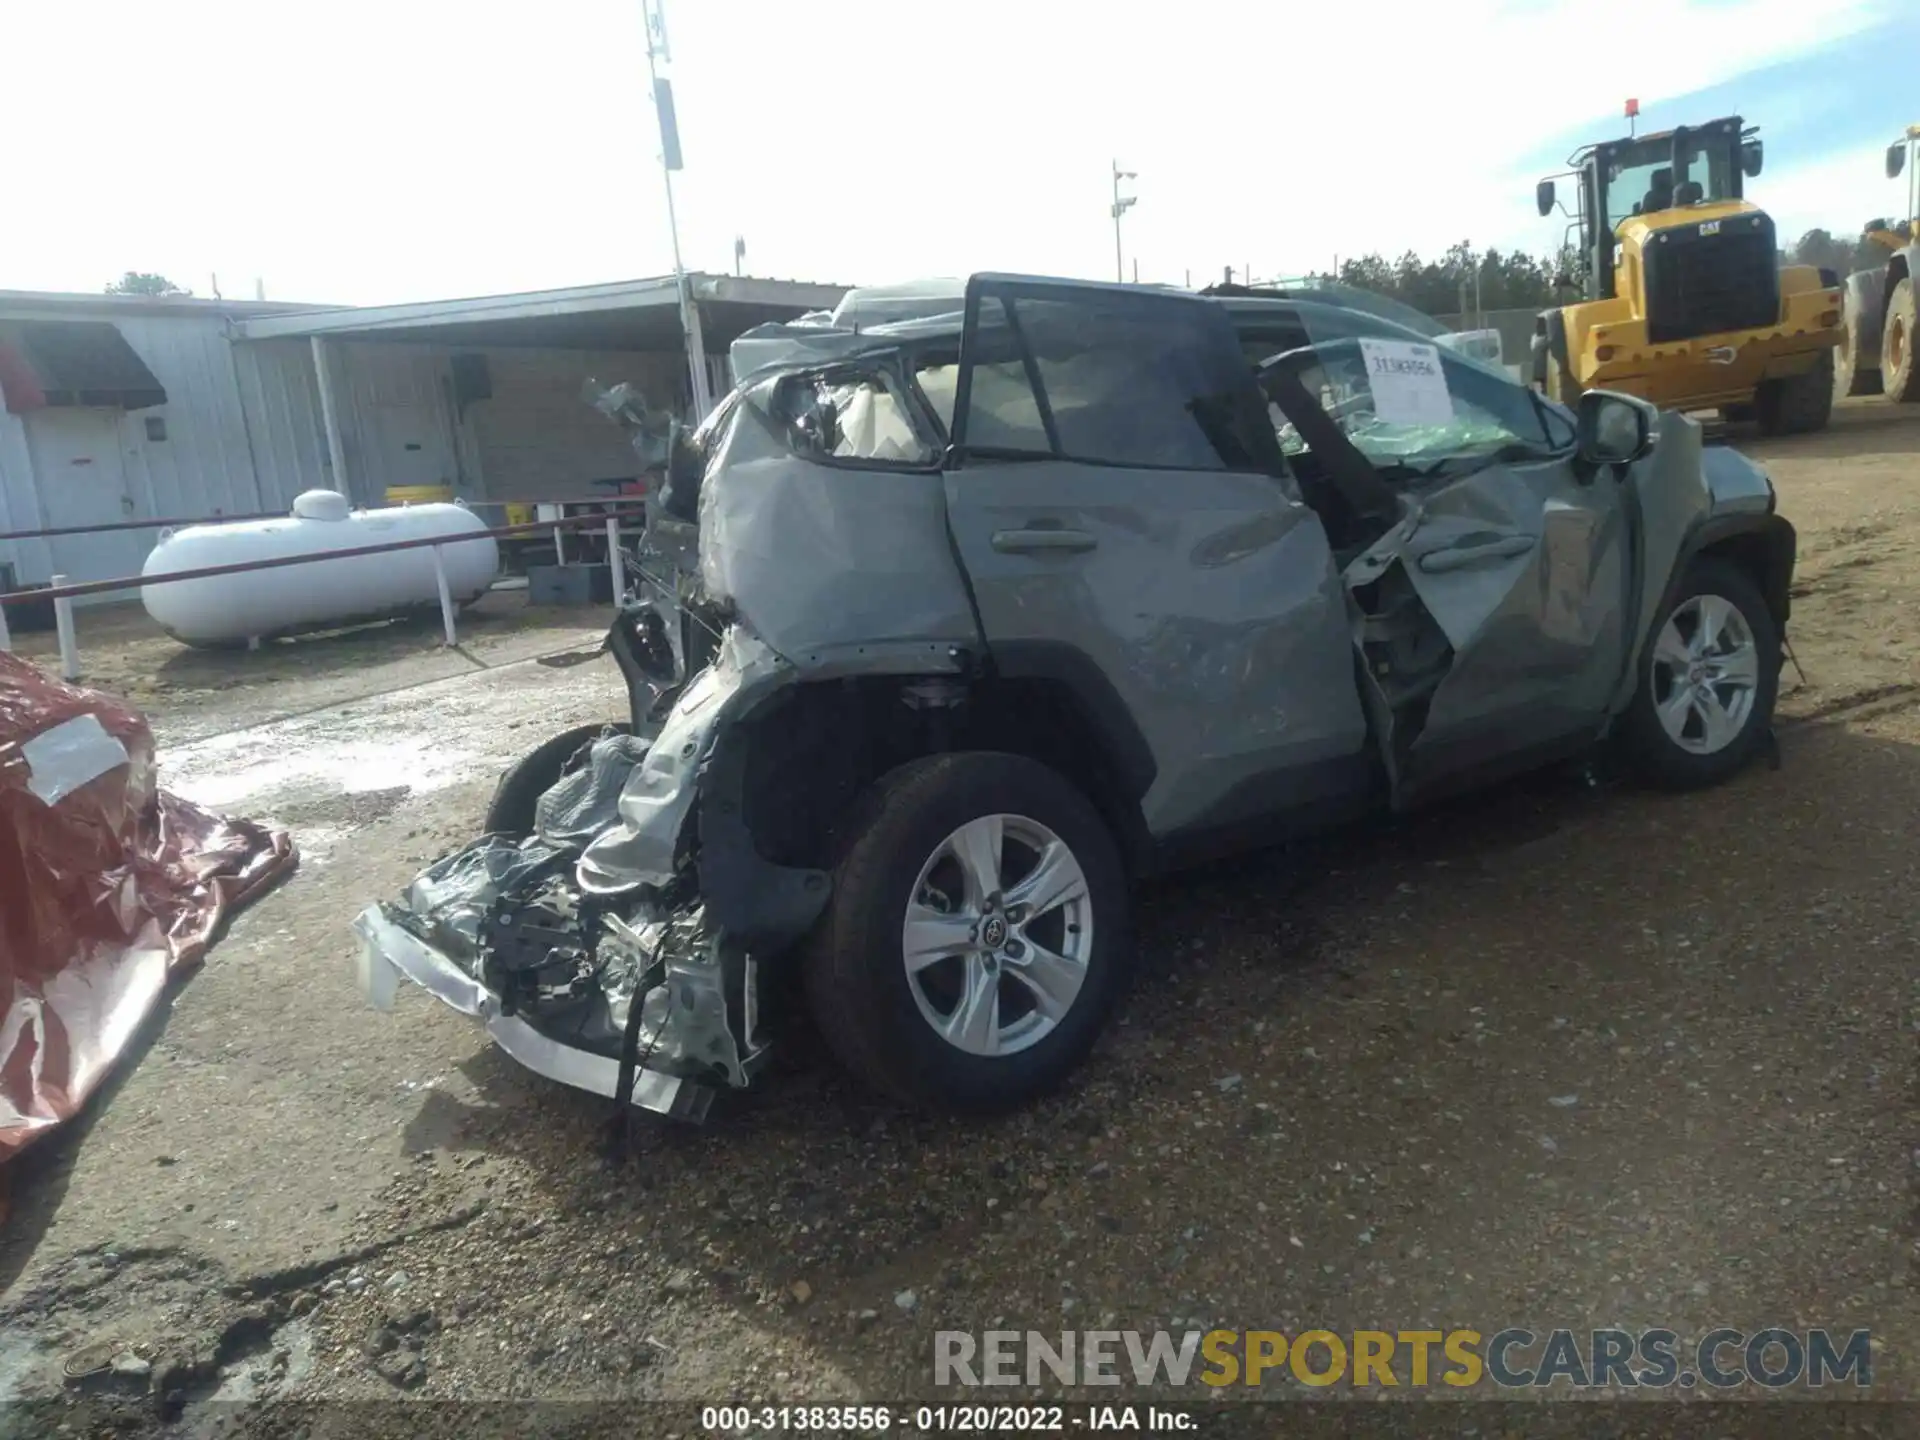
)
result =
(107, 885)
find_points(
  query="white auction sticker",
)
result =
(1409, 388)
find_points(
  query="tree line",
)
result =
(1513, 280)
(1510, 280)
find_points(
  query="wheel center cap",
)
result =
(1697, 672)
(993, 932)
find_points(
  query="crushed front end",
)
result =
(621, 945)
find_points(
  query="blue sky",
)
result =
(1827, 115)
(381, 150)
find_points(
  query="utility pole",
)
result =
(657, 52)
(1121, 204)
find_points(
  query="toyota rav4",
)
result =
(952, 625)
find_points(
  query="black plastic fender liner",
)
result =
(1773, 544)
(758, 904)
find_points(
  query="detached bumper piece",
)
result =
(630, 994)
(388, 952)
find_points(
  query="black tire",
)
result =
(1899, 374)
(1658, 756)
(531, 776)
(1850, 376)
(856, 980)
(1800, 404)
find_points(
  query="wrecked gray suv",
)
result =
(954, 624)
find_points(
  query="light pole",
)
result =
(1121, 204)
(657, 51)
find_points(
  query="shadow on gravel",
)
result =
(40, 1176)
(812, 1188)
(1302, 1016)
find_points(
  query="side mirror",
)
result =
(1752, 156)
(1543, 197)
(1896, 158)
(1613, 429)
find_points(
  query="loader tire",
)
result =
(1898, 373)
(1799, 404)
(1849, 376)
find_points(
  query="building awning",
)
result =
(622, 315)
(73, 362)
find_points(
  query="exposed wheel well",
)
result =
(1766, 554)
(813, 750)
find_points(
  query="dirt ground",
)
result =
(1572, 1054)
(189, 692)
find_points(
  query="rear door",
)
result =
(1119, 502)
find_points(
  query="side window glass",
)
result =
(850, 416)
(939, 384)
(1002, 412)
(1132, 384)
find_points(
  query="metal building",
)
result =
(132, 408)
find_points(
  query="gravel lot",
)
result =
(1572, 1054)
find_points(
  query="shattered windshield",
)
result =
(1411, 406)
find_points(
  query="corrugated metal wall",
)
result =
(192, 460)
(242, 429)
(203, 466)
(537, 438)
(281, 407)
(19, 504)
(396, 417)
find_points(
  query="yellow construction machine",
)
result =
(1684, 300)
(1876, 353)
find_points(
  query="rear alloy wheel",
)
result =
(998, 935)
(978, 934)
(1798, 404)
(1898, 373)
(1709, 681)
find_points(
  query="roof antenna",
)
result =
(1633, 118)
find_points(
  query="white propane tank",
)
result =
(288, 599)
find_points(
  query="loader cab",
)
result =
(1659, 180)
(1902, 159)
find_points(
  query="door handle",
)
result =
(1015, 542)
(1436, 562)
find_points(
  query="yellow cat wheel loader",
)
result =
(1685, 302)
(1877, 351)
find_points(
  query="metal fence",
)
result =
(63, 594)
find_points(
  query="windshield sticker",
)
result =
(1409, 388)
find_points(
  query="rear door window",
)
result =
(1144, 380)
